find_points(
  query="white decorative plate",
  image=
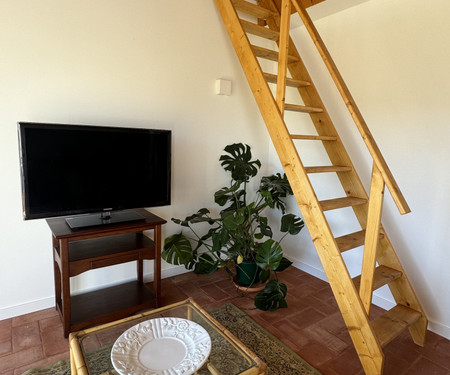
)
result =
(163, 346)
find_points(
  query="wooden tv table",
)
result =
(80, 250)
(228, 355)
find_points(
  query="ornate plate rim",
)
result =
(197, 354)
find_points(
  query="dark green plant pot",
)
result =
(247, 273)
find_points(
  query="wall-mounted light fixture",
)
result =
(223, 87)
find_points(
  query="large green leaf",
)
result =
(269, 254)
(205, 239)
(178, 250)
(272, 297)
(273, 189)
(226, 194)
(264, 228)
(239, 162)
(200, 216)
(284, 263)
(264, 275)
(220, 239)
(206, 264)
(232, 222)
(235, 202)
(291, 224)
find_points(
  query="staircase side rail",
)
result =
(375, 152)
(283, 54)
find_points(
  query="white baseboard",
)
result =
(26, 308)
(319, 273)
(440, 329)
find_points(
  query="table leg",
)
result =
(157, 265)
(65, 285)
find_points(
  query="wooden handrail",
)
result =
(378, 158)
(283, 53)
(372, 237)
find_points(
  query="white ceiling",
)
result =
(327, 8)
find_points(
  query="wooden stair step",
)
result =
(328, 168)
(252, 9)
(382, 276)
(261, 31)
(269, 54)
(389, 325)
(333, 204)
(302, 108)
(313, 137)
(351, 241)
(272, 78)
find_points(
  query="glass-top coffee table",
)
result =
(90, 349)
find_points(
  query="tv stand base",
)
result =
(104, 218)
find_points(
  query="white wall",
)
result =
(131, 63)
(394, 56)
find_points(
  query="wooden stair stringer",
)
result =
(347, 296)
(401, 288)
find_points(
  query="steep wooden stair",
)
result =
(269, 21)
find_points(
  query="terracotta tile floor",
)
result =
(312, 326)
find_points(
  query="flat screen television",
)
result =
(98, 171)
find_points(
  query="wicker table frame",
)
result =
(77, 357)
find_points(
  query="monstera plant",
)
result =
(240, 233)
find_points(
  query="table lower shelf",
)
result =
(109, 304)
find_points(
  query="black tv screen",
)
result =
(76, 169)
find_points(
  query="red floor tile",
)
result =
(25, 336)
(425, 366)
(5, 347)
(5, 330)
(53, 341)
(24, 357)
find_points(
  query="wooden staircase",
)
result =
(269, 20)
